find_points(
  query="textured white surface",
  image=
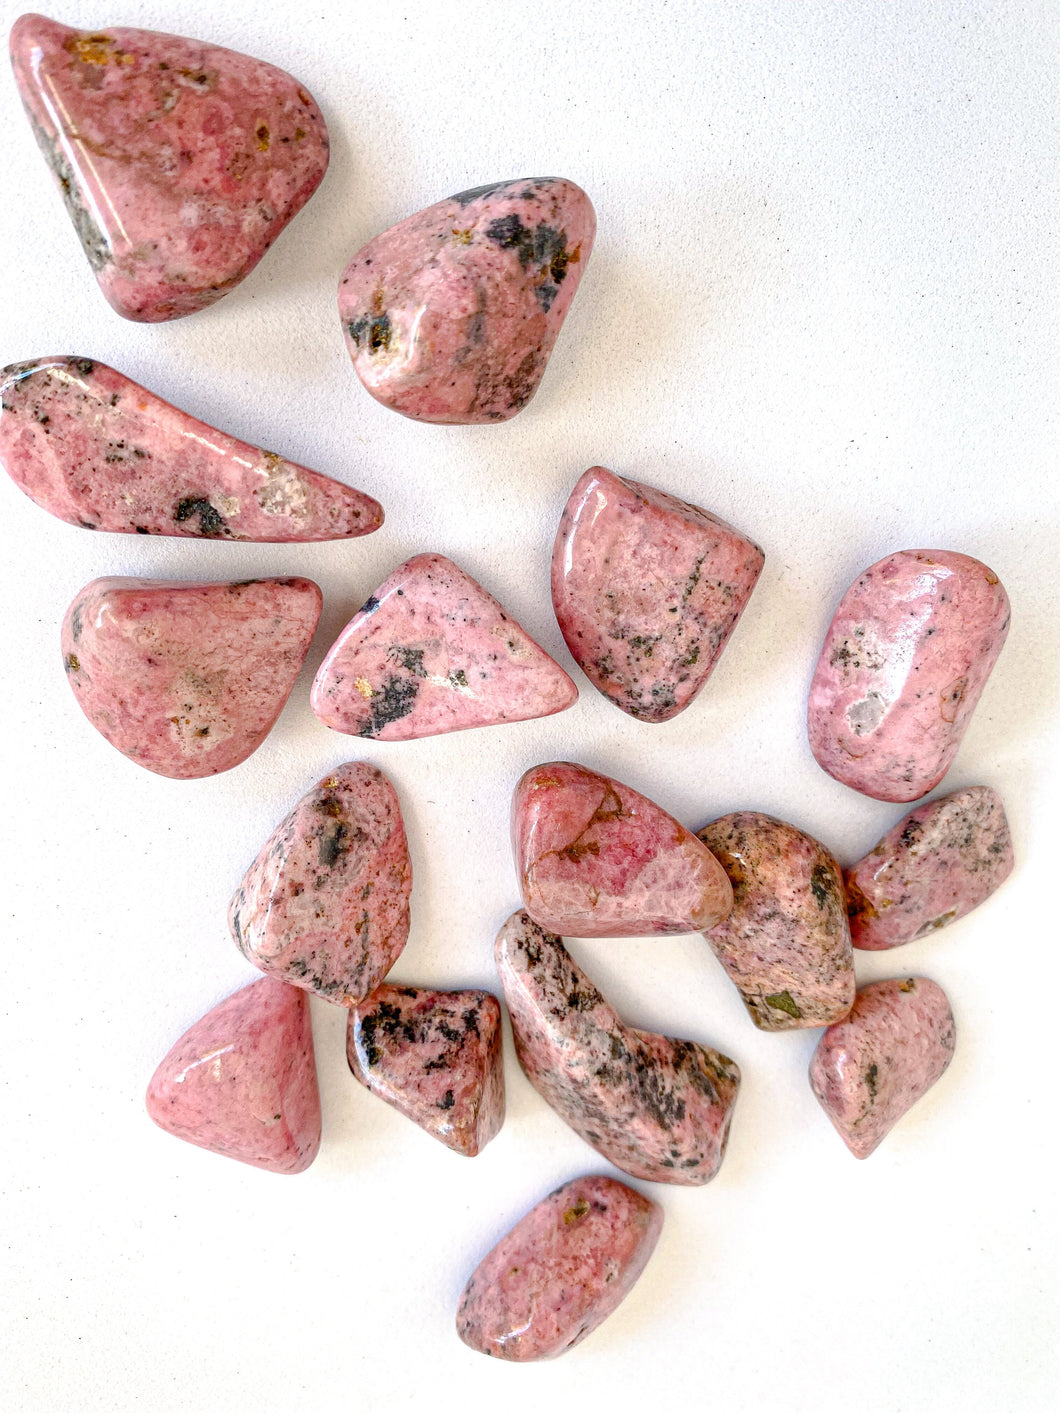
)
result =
(824, 303)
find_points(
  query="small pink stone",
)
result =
(935, 865)
(325, 905)
(99, 451)
(435, 1056)
(871, 1068)
(451, 315)
(647, 591)
(597, 859)
(902, 668)
(179, 162)
(559, 1272)
(242, 1081)
(430, 652)
(656, 1107)
(186, 679)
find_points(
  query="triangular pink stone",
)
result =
(243, 1082)
(179, 162)
(431, 651)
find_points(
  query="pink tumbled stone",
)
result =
(597, 859)
(559, 1272)
(97, 450)
(243, 1082)
(656, 1107)
(179, 162)
(935, 865)
(186, 679)
(871, 1068)
(451, 315)
(647, 590)
(430, 652)
(325, 905)
(435, 1056)
(903, 664)
(786, 944)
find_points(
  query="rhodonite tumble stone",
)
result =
(430, 652)
(785, 945)
(559, 1272)
(185, 679)
(935, 865)
(243, 1082)
(871, 1068)
(325, 905)
(597, 859)
(101, 452)
(451, 316)
(179, 162)
(435, 1056)
(656, 1107)
(647, 590)
(903, 664)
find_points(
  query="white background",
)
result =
(824, 304)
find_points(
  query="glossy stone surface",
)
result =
(597, 859)
(902, 668)
(98, 451)
(179, 162)
(656, 1107)
(647, 590)
(187, 679)
(435, 1056)
(871, 1068)
(935, 865)
(786, 944)
(243, 1082)
(325, 905)
(430, 652)
(451, 315)
(560, 1271)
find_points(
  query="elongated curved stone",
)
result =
(451, 315)
(325, 905)
(656, 1107)
(179, 162)
(560, 1271)
(647, 590)
(430, 652)
(243, 1082)
(933, 867)
(597, 859)
(435, 1056)
(871, 1068)
(902, 668)
(786, 944)
(97, 450)
(187, 679)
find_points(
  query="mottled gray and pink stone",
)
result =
(243, 1082)
(451, 315)
(187, 679)
(871, 1068)
(325, 905)
(656, 1107)
(98, 451)
(179, 162)
(435, 1056)
(904, 662)
(786, 944)
(560, 1271)
(597, 859)
(647, 590)
(933, 867)
(430, 652)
